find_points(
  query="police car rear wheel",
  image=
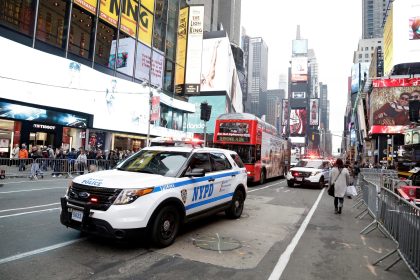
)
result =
(165, 226)
(236, 206)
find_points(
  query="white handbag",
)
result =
(351, 191)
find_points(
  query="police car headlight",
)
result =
(69, 185)
(128, 196)
(314, 173)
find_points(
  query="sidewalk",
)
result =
(333, 248)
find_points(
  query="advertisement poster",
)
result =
(194, 49)
(181, 51)
(297, 122)
(218, 104)
(154, 115)
(89, 5)
(314, 111)
(389, 103)
(355, 82)
(143, 65)
(125, 58)
(299, 69)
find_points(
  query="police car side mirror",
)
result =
(196, 172)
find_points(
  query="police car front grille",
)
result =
(301, 174)
(80, 195)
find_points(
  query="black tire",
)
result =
(262, 177)
(321, 183)
(236, 206)
(165, 226)
(290, 183)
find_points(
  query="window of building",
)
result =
(366, 48)
(165, 116)
(168, 77)
(171, 32)
(159, 32)
(18, 15)
(366, 55)
(81, 33)
(360, 55)
(52, 19)
(106, 35)
(177, 120)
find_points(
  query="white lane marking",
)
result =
(285, 257)
(25, 213)
(269, 186)
(30, 190)
(218, 243)
(35, 181)
(39, 251)
(30, 207)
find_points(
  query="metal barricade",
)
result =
(15, 168)
(401, 219)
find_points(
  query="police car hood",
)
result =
(304, 169)
(123, 179)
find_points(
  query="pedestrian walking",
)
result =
(81, 162)
(23, 157)
(340, 177)
(35, 170)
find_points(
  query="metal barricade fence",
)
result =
(28, 168)
(401, 219)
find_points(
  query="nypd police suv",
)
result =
(156, 190)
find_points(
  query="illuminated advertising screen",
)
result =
(300, 46)
(299, 69)
(195, 124)
(389, 104)
(297, 122)
(314, 111)
(357, 76)
(234, 132)
(15, 111)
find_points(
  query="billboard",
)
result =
(357, 75)
(194, 49)
(389, 103)
(89, 5)
(181, 51)
(314, 111)
(218, 107)
(401, 34)
(299, 69)
(298, 95)
(218, 71)
(297, 122)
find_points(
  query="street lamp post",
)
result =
(150, 116)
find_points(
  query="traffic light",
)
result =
(205, 111)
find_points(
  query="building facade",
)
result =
(229, 16)
(90, 61)
(373, 14)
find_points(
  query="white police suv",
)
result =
(309, 171)
(155, 191)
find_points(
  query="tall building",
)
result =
(373, 14)
(211, 9)
(366, 49)
(313, 73)
(283, 83)
(257, 74)
(229, 15)
(83, 74)
(273, 106)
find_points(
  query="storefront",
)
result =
(30, 124)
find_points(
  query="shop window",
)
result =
(51, 22)
(168, 76)
(165, 116)
(81, 32)
(106, 35)
(177, 120)
(18, 15)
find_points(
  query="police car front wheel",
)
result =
(165, 226)
(237, 205)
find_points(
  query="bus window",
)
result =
(258, 152)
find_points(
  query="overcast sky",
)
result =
(333, 29)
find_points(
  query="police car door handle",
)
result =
(233, 175)
(211, 180)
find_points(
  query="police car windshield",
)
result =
(165, 163)
(310, 164)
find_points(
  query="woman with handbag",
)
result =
(340, 178)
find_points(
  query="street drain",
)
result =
(217, 243)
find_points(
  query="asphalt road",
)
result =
(284, 232)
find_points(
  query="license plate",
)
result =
(77, 215)
(299, 179)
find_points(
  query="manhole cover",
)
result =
(217, 243)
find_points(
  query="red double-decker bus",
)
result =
(264, 153)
